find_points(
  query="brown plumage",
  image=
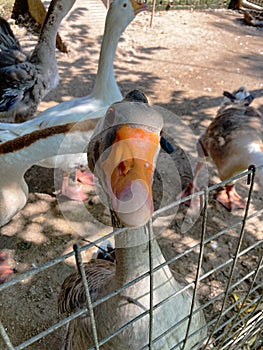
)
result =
(72, 289)
(131, 246)
(233, 141)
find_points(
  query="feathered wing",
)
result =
(8, 40)
(72, 296)
(10, 49)
(16, 74)
(15, 81)
(11, 57)
(99, 274)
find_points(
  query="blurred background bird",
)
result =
(233, 141)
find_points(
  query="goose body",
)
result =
(127, 141)
(26, 80)
(21, 153)
(105, 90)
(233, 141)
(92, 106)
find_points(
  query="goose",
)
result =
(233, 141)
(122, 153)
(20, 154)
(94, 105)
(26, 80)
(52, 143)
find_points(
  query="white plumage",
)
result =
(60, 135)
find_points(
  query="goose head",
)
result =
(59, 7)
(239, 98)
(122, 154)
(122, 12)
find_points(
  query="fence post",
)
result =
(153, 10)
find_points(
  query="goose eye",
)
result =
(110, 117)
(124, 5)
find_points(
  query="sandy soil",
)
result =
(183, 63)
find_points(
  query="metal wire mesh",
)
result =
(234, 315)
(189, 4)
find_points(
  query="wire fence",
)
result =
(234, 313)
(166, 5)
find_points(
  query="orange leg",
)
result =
(86, 177)
(191, 188)
(5, 269)
(230, 199)
(73, 192)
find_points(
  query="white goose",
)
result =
(123, 153)
(19, 154)
(26, 80)
(105, 92)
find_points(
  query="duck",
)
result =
(233, 141)
(94, 105)
(122, 153)
(27, 79)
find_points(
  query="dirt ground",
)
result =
(183, 63)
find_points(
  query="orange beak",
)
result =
(129, 171)
(138, 6)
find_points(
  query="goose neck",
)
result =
(132, 254)
(105, 83)
(46, 45)
(256, 158)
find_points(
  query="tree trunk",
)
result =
(20, 8)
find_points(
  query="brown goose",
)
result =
(234, 142)
(25, 80)
(122, 154)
